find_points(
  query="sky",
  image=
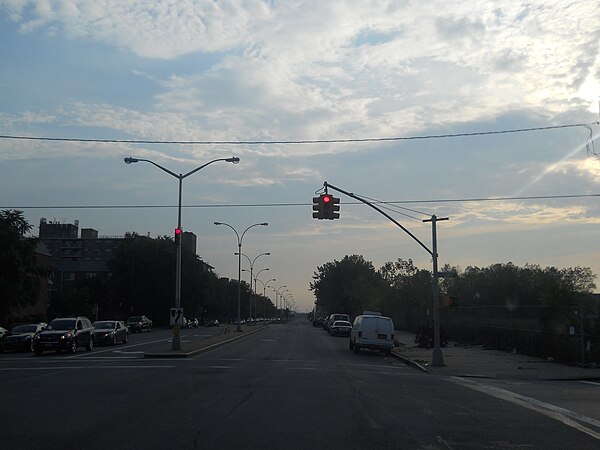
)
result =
(244, 78)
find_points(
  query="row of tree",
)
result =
(141, 281)
(503, 304)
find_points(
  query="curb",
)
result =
(410, 362)
(182, 354)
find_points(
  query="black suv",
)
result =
(139, 324)
(65, 333)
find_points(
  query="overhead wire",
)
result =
(394, 208)
(288, 204)
(302, 141)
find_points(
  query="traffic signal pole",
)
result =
(437, 357)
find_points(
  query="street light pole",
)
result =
(251, 262)
(176, 343)
(265, 294)
(276, 297)
(239, 241)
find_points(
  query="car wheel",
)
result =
(356, 348)
(114, 340)
(31, 346)
(38, 351)
(90, 345)
(126, 338)
(351, 346)
(73, 347)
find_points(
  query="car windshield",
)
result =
(341, 323)
(62, 324)
(104, 325)
(24, 329)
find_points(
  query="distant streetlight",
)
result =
(251, 262)
(277, 297)
(239, 253)
(265, 294)
(176, 343)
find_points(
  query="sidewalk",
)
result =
(196, 346)
(480, 362)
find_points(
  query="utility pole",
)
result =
(437, 358)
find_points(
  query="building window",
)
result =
(90, 275)
(69, 276)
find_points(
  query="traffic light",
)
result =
(326, 206)
(317, 208)
(332, 207)
(177, 234)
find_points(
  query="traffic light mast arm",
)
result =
(349, 194)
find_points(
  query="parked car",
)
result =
(21, 337)
(340, 328)
(333, 317)
(139, 323)
(110, 332)
(212, 323)
(193, 322)
(372, 332)
(67, 333)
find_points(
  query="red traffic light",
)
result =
(326, 199)
(177, 231)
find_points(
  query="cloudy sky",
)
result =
(233, 71)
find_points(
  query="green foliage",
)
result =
(20, 274)
(504, 298)
(143, 282)
(75, 302)
(347, 286)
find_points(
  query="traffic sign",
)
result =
(176, 317)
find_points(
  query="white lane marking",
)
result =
(590, 382)
(128, 353)
(563, 415)
(113, 350)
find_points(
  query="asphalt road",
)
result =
(288, 386)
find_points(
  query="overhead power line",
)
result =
(304, 141)
(272, 205)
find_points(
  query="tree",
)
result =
(143, 282)
(20, 274)
(347, 286)
(410, 296)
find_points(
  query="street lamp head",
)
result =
(218, 223)
(233, 160)
(264, 224)
(130, 160)
(267, 254)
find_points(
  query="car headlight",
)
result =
(68, 335)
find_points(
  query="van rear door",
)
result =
(383, 330)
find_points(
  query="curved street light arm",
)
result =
(233, 160)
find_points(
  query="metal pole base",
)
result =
(438, 358)
(176, 342)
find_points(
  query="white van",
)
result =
(373, 332)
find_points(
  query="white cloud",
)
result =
(514, 215)
(317, 68)
(589, 167)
